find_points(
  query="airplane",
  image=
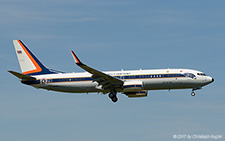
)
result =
(132, 83)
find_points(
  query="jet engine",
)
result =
(137, 94)
(132, 86)
(134, 89)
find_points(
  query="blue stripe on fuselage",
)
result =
(128, 77)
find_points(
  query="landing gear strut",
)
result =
(113, 96)
(193, 90)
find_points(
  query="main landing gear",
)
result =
(112, 96)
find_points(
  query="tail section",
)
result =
(29, 63)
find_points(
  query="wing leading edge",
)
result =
(106, 81)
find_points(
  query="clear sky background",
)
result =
(113, 35)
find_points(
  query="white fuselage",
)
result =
(133, 83)
(155, 79)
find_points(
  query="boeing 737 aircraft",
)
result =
(133, 83)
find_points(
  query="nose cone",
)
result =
(209, 80)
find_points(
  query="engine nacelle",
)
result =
(132, 86)
(137, 94)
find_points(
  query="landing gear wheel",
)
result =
(193, 94)
(114, 99)
(111, 95)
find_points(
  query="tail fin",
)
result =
(29, 64)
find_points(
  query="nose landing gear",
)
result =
(192, 93)
(193, 90)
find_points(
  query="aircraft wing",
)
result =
(107, 81)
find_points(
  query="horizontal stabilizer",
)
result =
(22, 76)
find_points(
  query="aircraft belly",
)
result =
(72, 87)
(148, 84)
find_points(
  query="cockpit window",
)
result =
(191, 75)
(202, 74)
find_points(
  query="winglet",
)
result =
(76, 59)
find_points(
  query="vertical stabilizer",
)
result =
(29, 63)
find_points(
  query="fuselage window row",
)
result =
(120, 77)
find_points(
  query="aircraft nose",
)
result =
(212, 79)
